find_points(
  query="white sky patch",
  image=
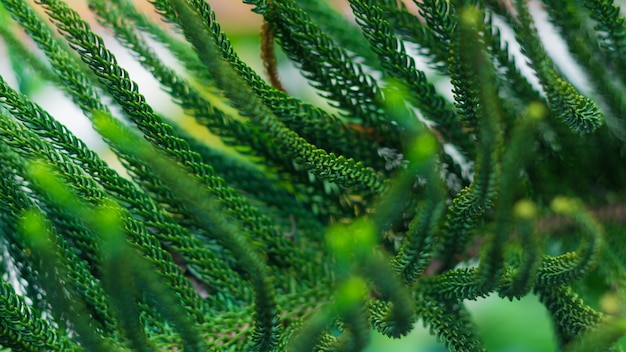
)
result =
(557, 49)
(515, 51)
(467, 166)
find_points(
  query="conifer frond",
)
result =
(336, 74)
(343, 31)
(267, 328)
(578, 112)
(421, 236)
(519, 281)
(471, 202)
(410, 28)
(451, 323)
(514, 158)
(23, 330)
(336, 169)
(310, 227)
(572, 22)
(401, 67)
(610, 25)
(570, 315)
(571, 266)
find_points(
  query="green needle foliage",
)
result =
(313, 226)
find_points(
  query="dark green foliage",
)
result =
(314, 225)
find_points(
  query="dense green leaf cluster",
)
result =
(313, 225)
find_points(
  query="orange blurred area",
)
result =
(233, 15)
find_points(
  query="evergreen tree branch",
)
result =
(470, 203)
(450, 322)
(208, 216)
(312, 123)
(564, 269)
(571, 317)
(399, 65)
(343, 80)
(22, 329)
(346, 172)
(578, 112)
